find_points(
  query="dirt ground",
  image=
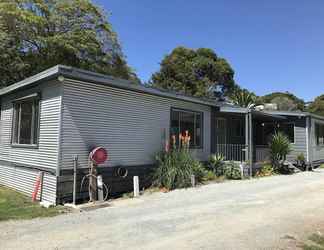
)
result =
(268, 213)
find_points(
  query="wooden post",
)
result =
(136, 186)
(75, 164)
(93, 182)
(41, 186)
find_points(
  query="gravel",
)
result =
(268, 213)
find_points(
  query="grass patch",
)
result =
(16, 206)
(321, 166)
(315, 242)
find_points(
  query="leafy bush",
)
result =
(209, 176)
(301, 161)
(232, 171)
(216, 164)
(279, 148)
(175, 166)
(266, 170)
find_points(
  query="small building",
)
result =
(63, 112)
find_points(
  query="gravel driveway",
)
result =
(262, 213)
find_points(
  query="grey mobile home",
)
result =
(50, 118)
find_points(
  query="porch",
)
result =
(244, 136)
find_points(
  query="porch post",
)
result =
(247, 137)
(250, 142)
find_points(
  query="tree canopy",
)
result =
(317, 106)
(284, 100)
(193, 72)
(38, 34)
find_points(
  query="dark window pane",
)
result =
(26, 123)
(182, 121)
(198, 137)
(319, 134)
(16, 122)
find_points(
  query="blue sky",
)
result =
(272, 45)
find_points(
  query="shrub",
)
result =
(266, 170)
(175, 166)
(301, 161)
(209, 176)
(216, 164)
(232, 171)
(279, 148)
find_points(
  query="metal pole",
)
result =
(75, 164)
(250, 142)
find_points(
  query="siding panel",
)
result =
(23, 179)
(19, 173)
(131, 125)
(46, 155)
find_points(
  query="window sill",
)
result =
(31, 146)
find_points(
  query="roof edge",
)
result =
(85, 75)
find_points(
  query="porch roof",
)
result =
(266, 116)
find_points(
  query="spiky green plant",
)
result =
(176, 166)
(216, 164)
(279, 148)
(243, 98)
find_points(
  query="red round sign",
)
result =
(99, 155)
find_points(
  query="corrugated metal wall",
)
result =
(300, 145)
(23, 180)
(131, 125)
(46, 155)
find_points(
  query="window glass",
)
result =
(182, 121)
(25, 122)
(319, 134)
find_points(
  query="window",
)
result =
(289, 130)
(319, 134)
(25, 121)
(182, 121)
(238, 127)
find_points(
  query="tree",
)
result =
(243, 98)
(193, 72)
(285, 101)
(317, 106)
(38, 34)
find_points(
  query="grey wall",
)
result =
(131, 125)
(300, 145)
(46, 155)
(317, 152)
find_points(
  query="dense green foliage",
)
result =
(216, 164)
(175, 167)
(243, 98)
(38, 34)
(14, 206)
(193, 72)
(314, 242)
(284, 101)
(266, 170)
(317, 106)
(232, 171)
(279, 148)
